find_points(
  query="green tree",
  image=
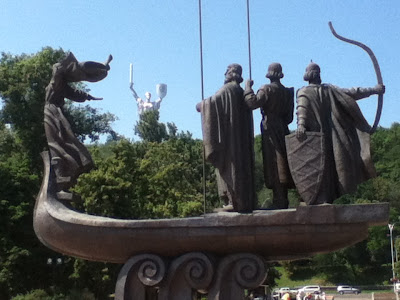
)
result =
(18, 243)
(23, 79)
(367, 261)
(149, 129)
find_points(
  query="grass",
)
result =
(309, 279)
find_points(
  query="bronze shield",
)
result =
(306, 159)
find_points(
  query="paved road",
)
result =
(365, 296)
(352, 296)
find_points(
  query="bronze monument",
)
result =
(223, 253)
(69, 157)
(227, 124)
(276, 104)
(340, 139)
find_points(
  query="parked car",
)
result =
(283, 290)
(346, 289)
(314, 289)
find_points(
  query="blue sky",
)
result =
(161, 39)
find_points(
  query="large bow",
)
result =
(377, 71)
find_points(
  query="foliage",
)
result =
(158, 177)
(366, 261)
(17, 240)
(147, 180)
(87, 122)
(97, 277)
(43, 295)
(23, 79)
(34, 295)
(149, 129)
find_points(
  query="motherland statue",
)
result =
(69, 157)
(147, 105)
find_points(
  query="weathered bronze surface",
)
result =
(68, 155)
(227, 125)
(221, 278)
(334, 113)
(306, 158)
(272, 234)
(276, 103)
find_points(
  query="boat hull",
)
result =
(273, 234)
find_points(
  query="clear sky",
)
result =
(161, 39)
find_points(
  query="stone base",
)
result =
(151, 277)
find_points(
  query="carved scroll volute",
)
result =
(188, 273)
(236, 273)
(139, 276)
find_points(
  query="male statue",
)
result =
(333, 113)
(277, 104)
(227, 125)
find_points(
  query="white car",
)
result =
(346, 289)
(314, 289)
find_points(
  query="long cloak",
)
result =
(69, 156)
(227, 125)
(347, 140)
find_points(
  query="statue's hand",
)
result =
(380, 89)
(301, 131)
(90, 97)
(249, 84)
(198, 107)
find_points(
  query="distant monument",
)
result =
(147, 105)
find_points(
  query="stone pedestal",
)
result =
(151, 277)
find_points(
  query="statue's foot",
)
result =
(224, 208)
(68, 196)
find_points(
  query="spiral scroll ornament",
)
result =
(249, 271)
(151, 270)
(199, 271)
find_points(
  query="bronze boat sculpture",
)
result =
(173, 257)
(273, 234)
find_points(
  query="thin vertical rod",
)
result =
(201, 51)
(202, 97)
(248, 35)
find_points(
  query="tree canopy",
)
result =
(23, 79)
(157, 177)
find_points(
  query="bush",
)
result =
(34, 295)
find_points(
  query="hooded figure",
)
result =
(227, 125)
(334, 112)
(69, 157)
